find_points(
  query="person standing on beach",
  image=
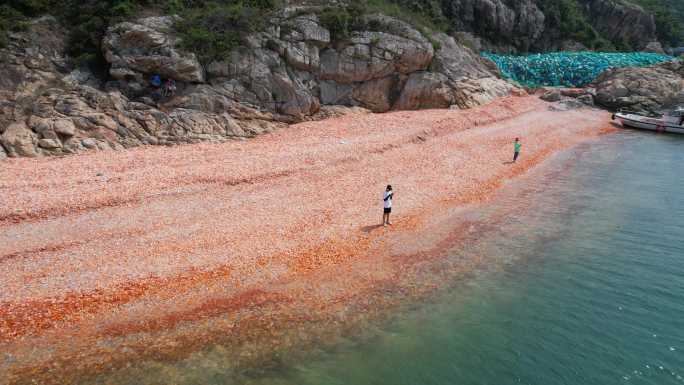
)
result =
(389, 194)
(518, 146)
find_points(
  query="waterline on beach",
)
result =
(590, 294)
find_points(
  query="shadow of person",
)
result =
(368, 229)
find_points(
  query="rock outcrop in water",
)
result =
(646, 89)
(284, 75)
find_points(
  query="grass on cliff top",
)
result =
(342, 21)
(211, 28)
(214, 29)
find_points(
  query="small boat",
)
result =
(671, 122)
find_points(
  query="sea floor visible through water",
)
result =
(581, 281)
(223, 261)
(587, 286)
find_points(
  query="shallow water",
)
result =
(588, 287)
(584, 283)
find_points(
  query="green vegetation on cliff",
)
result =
(568, 18)
(15, 14)
(211, 28)
(669, 16)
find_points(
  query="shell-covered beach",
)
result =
(112, 259)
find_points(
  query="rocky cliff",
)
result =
(510, 26)
(286, 74)
(622, 22)
(644, 89)
(502, 24)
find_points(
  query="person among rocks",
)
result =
(389, 194)
(170, 88)
(156, 91)
(517, 148)
(155, 81)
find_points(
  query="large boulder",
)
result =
(149, 46)
(426, 90)
(646, 89)
(375, 95)
(373, 55)
(470, 93)
(19, 140)
(333, 93)
(459, 62)
(300, 41)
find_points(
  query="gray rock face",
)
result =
(283, 75)
(64, 127)
(509, 26)
(333, 93)
(19, 140)
(516, 22)
(89, 143)
(48, 109)
(587, 100)
(551, 96)
(374, 55)
(49, 144)
(426, 90)
(654, 47)
(621, 21)
(474, 92)
(294, 69)
(646, 89)
(262, 78)
(300, 41)
(458, 62)
(149, 46)
(564, 99)
(375, 95)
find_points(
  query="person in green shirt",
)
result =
(518, 146)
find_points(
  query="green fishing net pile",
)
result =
(568, 69)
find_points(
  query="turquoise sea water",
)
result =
(589, 288)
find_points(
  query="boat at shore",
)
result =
(671, 122)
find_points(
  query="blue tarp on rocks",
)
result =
(568, 69)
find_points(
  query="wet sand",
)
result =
(155, 253)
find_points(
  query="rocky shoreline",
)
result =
(291, 73)
(294, 71)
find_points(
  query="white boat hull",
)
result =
(646, 123)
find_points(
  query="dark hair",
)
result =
(389, 186)
(517, 139)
